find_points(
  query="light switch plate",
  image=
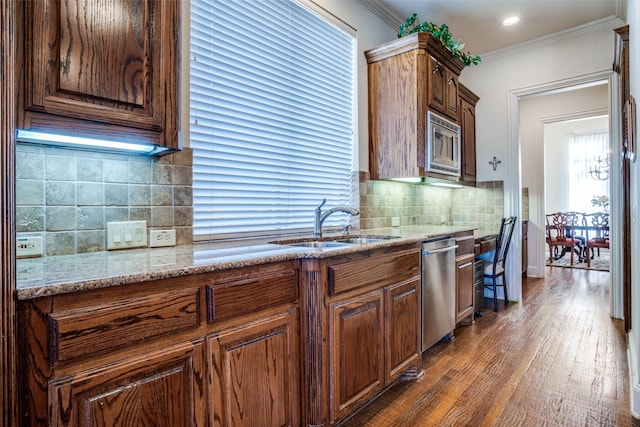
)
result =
(29, 246)
(158, 238)
(126, 234)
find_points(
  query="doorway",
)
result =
(518, 152)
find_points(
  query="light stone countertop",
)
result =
(46, 276)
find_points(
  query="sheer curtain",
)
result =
(584, 150)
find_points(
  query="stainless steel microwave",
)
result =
(443, 146)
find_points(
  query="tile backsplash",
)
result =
(68, 196)
(417, 204)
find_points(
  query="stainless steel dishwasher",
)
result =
(438, 290)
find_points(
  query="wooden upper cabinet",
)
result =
(442, 88)
(467, 121)
(407, 78)
(107, 67)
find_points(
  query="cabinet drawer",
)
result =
(249, 294)
(78, 333)
(465, 245)
(485, 245)
(382, 271)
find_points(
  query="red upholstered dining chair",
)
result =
(561, 233)
(597, 228)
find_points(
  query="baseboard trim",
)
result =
(634, 385)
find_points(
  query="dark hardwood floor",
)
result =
(557, 359)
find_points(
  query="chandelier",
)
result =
(600, 170)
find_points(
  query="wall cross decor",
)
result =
(495, 162)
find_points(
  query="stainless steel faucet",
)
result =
(320, 217)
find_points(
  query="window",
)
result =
(272, 117)
(584, 151)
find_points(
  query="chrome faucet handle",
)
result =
(345, 230)
(321, 204)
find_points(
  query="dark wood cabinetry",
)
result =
(408, 77)
(255, 372)
(524, 243)
(442, 88)
(402, 304)
(467, 121)
(165, 387)
(356, 337)
(465, 291)
(108, 68)
(206, 349)
(367, 305)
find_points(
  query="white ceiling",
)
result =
(478, 23)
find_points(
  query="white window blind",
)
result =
(272, 117)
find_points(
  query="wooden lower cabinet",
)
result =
(361, 327)
(211, 349)
(255, 373)
(163, 388)
(356, 340)
(464, 288)
(402, 336)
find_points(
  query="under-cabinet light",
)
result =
(83, 143)
(445, 184)
(411, 180)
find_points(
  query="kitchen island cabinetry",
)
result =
(205, 349)
(407, 78)
(101, 68)
(367, 305)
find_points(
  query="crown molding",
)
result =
(382, 12)
(608, 23)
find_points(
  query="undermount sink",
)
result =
(362, 240)
(318, 244)
(336, 242)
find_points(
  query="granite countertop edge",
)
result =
(54, 275)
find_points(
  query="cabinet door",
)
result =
(468, 140)
(464, 287)
(437, 79)
(402, 306)
(165, 388)
(103, 62)
(255, 373)
(451, 98)
(356, 361)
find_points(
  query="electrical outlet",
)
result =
(158, 238)
(395, 221)
(126, 234)
(443, 219)
(30, 246)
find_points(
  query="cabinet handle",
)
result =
(436, 69)
(451, 80)
(404, 294)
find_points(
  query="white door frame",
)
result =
(513, 183)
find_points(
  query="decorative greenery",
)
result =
(442, 33)
(602, 201)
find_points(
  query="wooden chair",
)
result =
(597, 227)
(561, 233)
(496, 268)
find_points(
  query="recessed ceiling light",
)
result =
(512, 20)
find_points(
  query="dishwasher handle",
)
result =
(435, 251)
